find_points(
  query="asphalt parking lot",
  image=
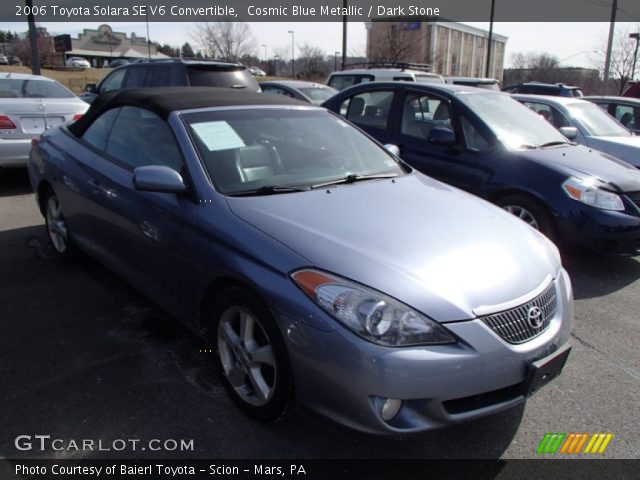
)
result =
(84, 355)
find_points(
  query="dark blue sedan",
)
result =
(488, 144)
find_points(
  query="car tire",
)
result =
(57, 227)
(251, 355)
(530, 211)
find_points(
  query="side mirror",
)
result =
(91, 88)
(159, 179)
(569, 132)
(392, 149)
(442, 136)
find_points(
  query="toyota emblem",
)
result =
(534, 317)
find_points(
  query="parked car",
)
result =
(633, 90)
(488, 83)
(584, 123)
(624, 109)
(539, 88)
(257, 72)
(272, 228)
(309, 92)
(29, 106)
(118, 62)
(174, 72)
(13, 60)
(4, 60)
(78, 62)
(490, 145)
(402, 72)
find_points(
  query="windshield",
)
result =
(318, 95)
(428, 78)
(515, 125)
(595, 121)
(15, 88)
(244, 150)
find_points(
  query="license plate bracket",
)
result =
(546, 369)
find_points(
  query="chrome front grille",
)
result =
(634, 197)
(514, 325)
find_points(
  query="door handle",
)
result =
(95, 185)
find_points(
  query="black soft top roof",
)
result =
(164, 100)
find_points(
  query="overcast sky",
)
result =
(574, 40)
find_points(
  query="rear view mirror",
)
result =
(91, 88)
(158, 178)
(442, 136)
(569, 132)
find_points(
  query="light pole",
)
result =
(266, 59)
(335, 61)
(276, 58)
(293, 60)
(635, 36)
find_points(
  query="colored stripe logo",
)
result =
(574, 443)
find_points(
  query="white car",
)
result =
(30, 105)
(347, 78)
(586, 124)
(78, 62)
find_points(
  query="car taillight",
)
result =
(34, 141)
(77, 116)
(6, 123)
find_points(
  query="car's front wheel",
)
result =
(252, 355)
(531, 212)
(57, 228)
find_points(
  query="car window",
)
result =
(246, 149)
(139, 137)
(114, 81)
(226, 77)
(596, 122)
(276, 91)
(32, 88)
(370, 109)
(474, 140)
(136, 77)
(98, 133)
(541, 109)
(420, 113)
(340, 82)
(160, 77)
(627, 116)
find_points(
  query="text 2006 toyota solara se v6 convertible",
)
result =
(320, 266)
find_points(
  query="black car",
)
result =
(539, 88)
(488, 144)
(174, 73)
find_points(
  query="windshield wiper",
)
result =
(354, 177)
(268, 190)
(527, 146)
(555, 143)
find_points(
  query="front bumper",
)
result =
(605, 231)
(346, 378)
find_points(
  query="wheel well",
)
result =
(214, 289)
(43, 187)
(494, 198)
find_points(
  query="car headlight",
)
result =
(371, 314)
(586, 192)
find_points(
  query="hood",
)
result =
(624, 148)
(431, 246)
(580, 161)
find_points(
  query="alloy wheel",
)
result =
(247, 356)
(56, 225)
(523, 214)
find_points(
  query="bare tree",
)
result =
(224, 40)
(539, 66)
(622, 57)
(393, 45)
(312, 60)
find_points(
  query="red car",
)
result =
(633, 90)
